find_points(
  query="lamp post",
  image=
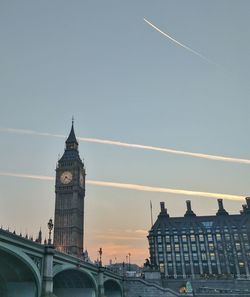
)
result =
(100, 254)
(50, 227)
(129, 261)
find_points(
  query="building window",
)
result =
(241, 264)
(218, 236)
(186, 257)
(195, 257)
(203, 256)
(167, 238)
(192, 237)
(178, 257)
(168, 248)
(185, 247)
(211, 246)
(159, 239)
(245, 237)
(160, 248)
(202, 247)
(176, 238)
(209, 237)
(201, 237)
(184, 238)
(237, 246)
(177, 247)
(212, 256)
(169, 257)
(193, 246)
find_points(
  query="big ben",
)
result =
(69, 205)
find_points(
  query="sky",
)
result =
(127, 82)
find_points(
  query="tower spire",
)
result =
(71, 142)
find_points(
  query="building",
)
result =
(202, 247)
(69, 204)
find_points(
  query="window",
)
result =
(184, 238)
(209, 237)
(176, 238)
(211, 246)
(177, 247)
(160, 248)
(202, 247)
(241, 264)
(245, 237)
(168, 248)
(237, 246)
(161, 257)
(167, 238)
(203, 256)
(201, 237)
(192, 237)
(195, 256)
(186, 257)
(212, 256)
(193, 246)
(169, 257)
(185, 247)
(178, 257)
(218, 236)
(159, 239)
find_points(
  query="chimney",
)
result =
(188, 203)
(220, 204)
(221, 210)
(189, 211)
(163, 209)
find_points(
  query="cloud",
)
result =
(177, 42)
(135, 146)
(136, 187)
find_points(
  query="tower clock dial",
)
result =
(81, 179)
(66, 177)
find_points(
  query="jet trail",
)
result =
(135, 187)
(177, 42)
(134, 145)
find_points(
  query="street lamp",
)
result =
(100, 254)
(50, 227)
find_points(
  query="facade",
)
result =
(202, 247)
(69, 205)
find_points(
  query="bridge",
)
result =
(31, 269)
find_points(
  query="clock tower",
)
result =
(70, 193)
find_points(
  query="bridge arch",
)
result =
(112, 288)
(19, 274)
(70, 280)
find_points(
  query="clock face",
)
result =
(66, 177)
(81, 179)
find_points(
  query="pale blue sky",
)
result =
(122, 80)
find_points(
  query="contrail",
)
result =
(135, 187)
(177, 42)
(134, 145)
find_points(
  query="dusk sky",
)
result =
(124, 80)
